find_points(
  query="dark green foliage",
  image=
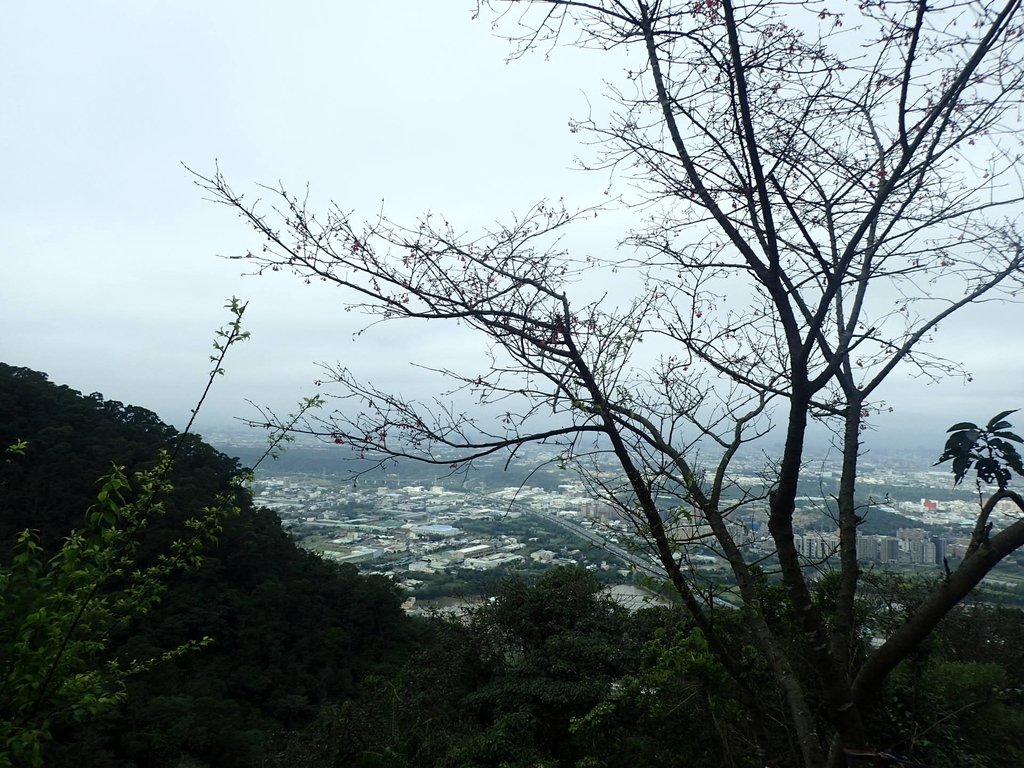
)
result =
(544, 674)
(500, 685)
(880, 521)
(988, 634)
(953, 714)
(959, 699)
(73, 440)
(289, 630)
(988, 449)
(60, 612)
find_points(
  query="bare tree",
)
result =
(815, 193)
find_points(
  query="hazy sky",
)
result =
(109, 279)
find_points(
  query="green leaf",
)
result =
(961, 426)
(1010, 456)
(989, 450)
(960, 466)
(993, 425)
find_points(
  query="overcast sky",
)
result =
(109, 276)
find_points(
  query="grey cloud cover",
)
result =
(109, 279)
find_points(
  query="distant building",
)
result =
(542, 556)
(888, 549)
(354, 555)
(922, 552)
(488, 562)
(436, 530)
(816, 546)
(868, 547)
(475, 551)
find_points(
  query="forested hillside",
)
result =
(312, 665)
(289, 630)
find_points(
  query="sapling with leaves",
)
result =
(989, 449)
(59, 611)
